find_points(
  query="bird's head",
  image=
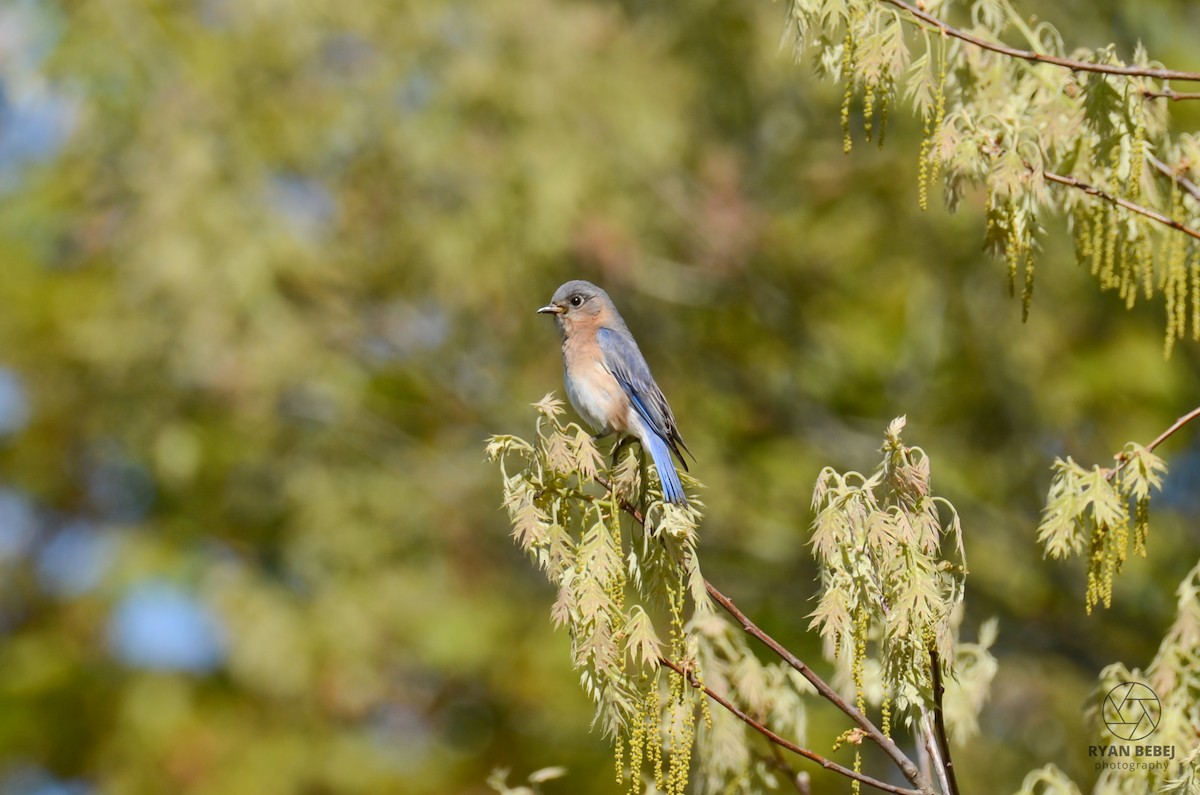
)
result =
(577, 304)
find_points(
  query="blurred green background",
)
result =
(269, 278)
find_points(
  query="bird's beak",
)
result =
(551, 310)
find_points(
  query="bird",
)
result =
(609, 383)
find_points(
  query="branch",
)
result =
(887, 744)
(920, 742)
(1166, 93)
(1153, 215)
(1037, 57)
(1122, 460)
(781, 742)
(939, 722)
(933, 750)
(1169, 432)
(632, 510)
(1180, 180)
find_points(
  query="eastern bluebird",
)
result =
(609, 382)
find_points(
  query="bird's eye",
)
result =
(576, 300)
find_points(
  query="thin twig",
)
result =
(1174, 96)
(1169, 432)
(1123, 460)
(935, 752)
(885, 743)
(1153, 215)
(632, 510)
(781, 742)
(939, 721)
(923, 760)
(1037, 57)
(1174, 175)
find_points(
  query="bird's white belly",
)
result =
(602, 403)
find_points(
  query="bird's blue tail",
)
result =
(671, 486)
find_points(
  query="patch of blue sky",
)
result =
(160, 626)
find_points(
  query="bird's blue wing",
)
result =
(625, 361)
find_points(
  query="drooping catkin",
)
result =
(884, 105)
(939, 116)
(868, 108)
(847, 75)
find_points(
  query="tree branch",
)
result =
(632, 510)
(886, 744)
(1153, 215)
(928, 739)
(1123, 460)
(1169, 432)
(1180, 180)
(781, 742)
(939, 721)
(1037, 57)
(1174, 96)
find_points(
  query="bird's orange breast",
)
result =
(593, 391)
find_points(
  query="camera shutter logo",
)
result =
(1131, 711)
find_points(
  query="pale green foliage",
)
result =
(1178, 723)
(1048, 780)
(771, 693)
(498, 780)
(969, 687)
(576, 540)
(613, 584)
(1001, 123)
(1188, 781)
(892, 573)
(1095, 509)
(1175, 679)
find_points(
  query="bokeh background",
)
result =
(269, 278)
